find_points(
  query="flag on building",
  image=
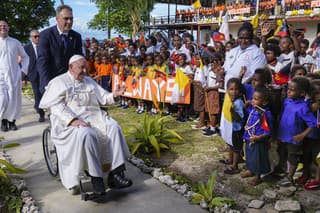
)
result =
(226, 120)
(224, 28)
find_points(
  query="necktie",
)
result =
(64, 39)
(35, 51)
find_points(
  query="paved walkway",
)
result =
(146, 195)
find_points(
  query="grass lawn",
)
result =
(197, 156)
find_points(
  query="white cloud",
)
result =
(82, 3)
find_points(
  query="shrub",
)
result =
(152, 136)
(206, 193)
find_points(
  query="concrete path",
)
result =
(147, 195)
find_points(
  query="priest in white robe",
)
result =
(85, 136)
(11, 53)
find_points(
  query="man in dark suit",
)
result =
(33, 76)
(56, 46)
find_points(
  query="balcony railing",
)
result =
(209, 15)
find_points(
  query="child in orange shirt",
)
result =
(96, 65)
(104, 72)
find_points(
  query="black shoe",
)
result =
(41, 119)
(98, 185)
(4, 125)
(118, 181)
(182, 119)
(12, 125)
(209, 133)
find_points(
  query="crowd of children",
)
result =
(277, 102)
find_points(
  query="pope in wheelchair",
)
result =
(86, 137)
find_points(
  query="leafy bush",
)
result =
(10, 195)
(205, 192)
(6, 167)
(152, 136)
(8, 192)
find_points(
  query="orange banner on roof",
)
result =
(152, 89)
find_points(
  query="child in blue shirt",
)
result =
(311, 144)
(296, 122)
(238, 119)
(256, 135)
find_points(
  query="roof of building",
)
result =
(204, 3)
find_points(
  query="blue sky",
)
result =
(84, 10)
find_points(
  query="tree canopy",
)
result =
(24, 15)
(123, 16)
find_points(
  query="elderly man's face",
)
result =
(65, 20)
(4, 29)
(34, 36)
(78, 69)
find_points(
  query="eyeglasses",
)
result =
(35, 36)
(68, 18)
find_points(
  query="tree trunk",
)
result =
(62, 2)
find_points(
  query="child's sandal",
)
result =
(231, 171)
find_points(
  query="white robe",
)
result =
(251, 57)
(69, 99)
(10, 77)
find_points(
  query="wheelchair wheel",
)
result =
(49, 151)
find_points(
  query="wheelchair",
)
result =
(50, 153)
(51, 158)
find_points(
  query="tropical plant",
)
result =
(124, 16)
(5, 166)
(8, 192)
(152, 135)
(24, 16)
(206, 193)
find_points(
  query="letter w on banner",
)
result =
(150, 88)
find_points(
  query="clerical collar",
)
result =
(60, 32)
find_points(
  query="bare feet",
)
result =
(254, 181)
(247, 174)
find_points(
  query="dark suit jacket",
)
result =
(32, 69)
(53, 58)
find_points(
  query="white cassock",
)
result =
(10, 77)
(68, 99)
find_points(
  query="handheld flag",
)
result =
(284, 30)
(255, 21)
(224, 28)
(264, 123)
(217, 36)
(181, 79)
(226, 120)
(300, 31)
(196, 4)
(161, 74)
